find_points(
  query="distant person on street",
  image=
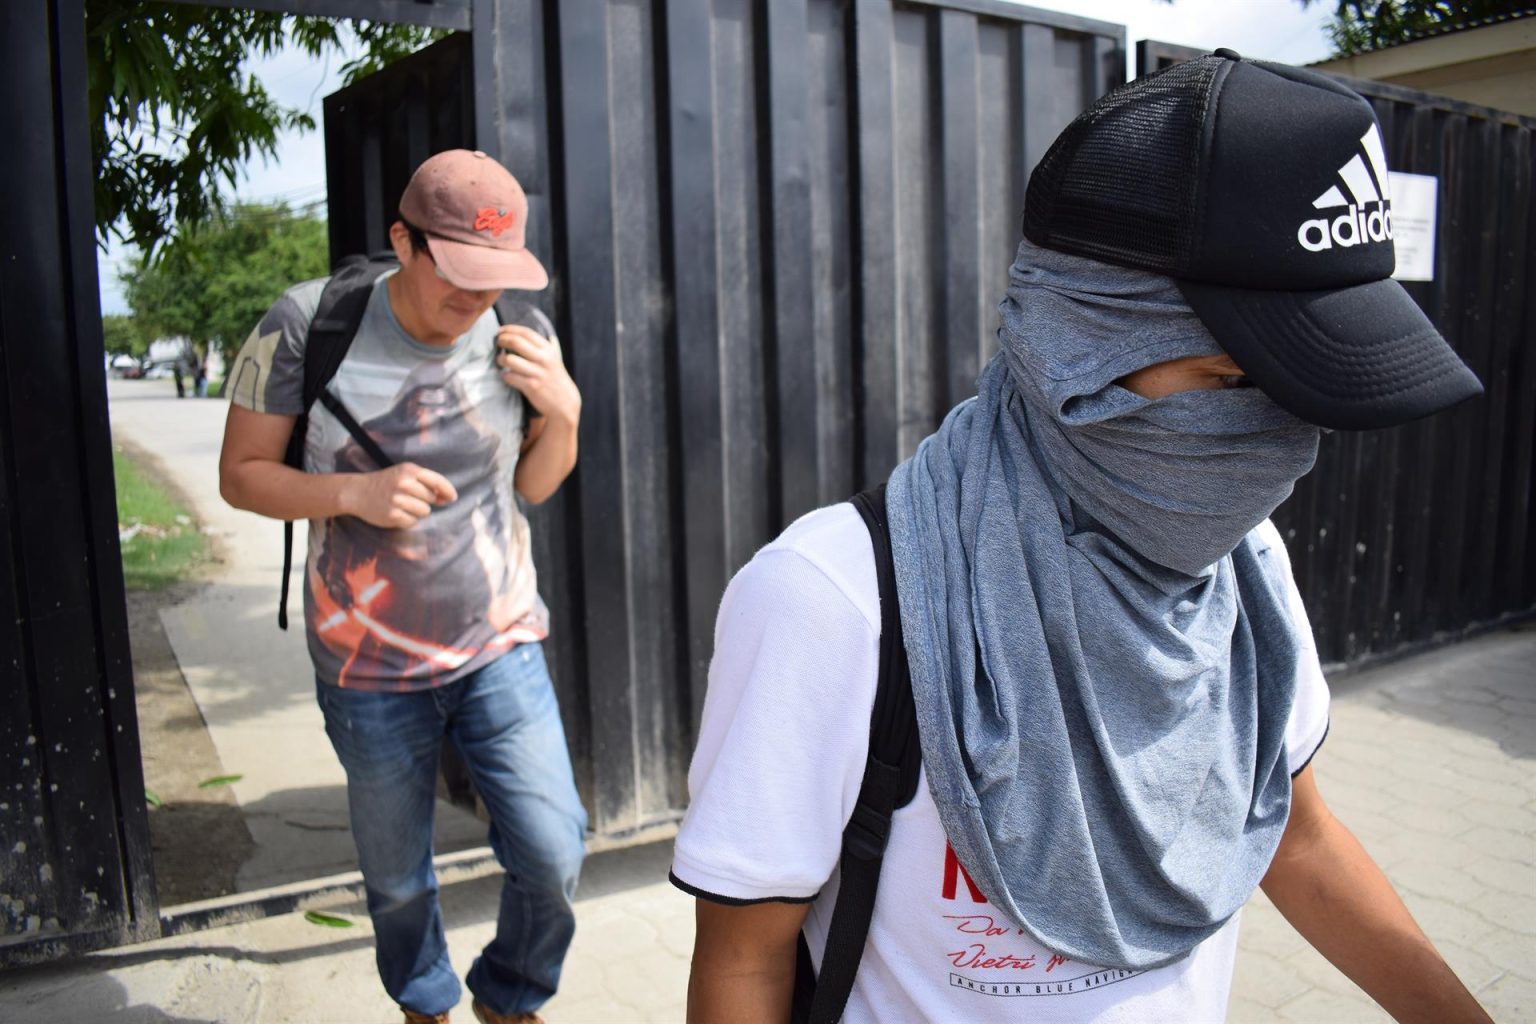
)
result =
(200, 371)
(1117, 695)
(421, 606)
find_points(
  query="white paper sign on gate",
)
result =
(1413, 225)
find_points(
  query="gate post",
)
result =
(76, 855)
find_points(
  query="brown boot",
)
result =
(485, 1015)
(412, 1017)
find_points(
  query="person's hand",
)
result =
(531, 363)
(397, 497)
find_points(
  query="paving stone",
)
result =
(1514, 911)
(1474, 969)
(1481, 767)
(1415, 787)
(1444, 921)
(1518, 706)
(652, 987)
(1356, 797)
(1418, 875)
(1477, 694)
(1336, 753)
(1368, 826)
(1242, 1010)
(1267, 981)
(623, 934)
(1500, 842)
(1514, 681)
(1315, 1007)
(1508, 816)
(1418, 696)
(1441, 821)
(1265, 932)
(1319, 974)
(1519, 746)
(1504, 875)
(1411, 845)
(1469, 714)
(1511, 998)
(1510, 951)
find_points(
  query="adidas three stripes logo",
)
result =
(1366, 212)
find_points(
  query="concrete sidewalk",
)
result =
(1431, 760)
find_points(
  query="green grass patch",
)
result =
(159, 539)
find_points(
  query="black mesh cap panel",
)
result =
(1119, 183)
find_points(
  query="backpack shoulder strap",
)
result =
(338, 314)
(890, 781)
(512, 310)
(337, 317)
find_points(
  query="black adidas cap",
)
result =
(1262, 189)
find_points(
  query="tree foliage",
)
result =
(1360, 26)
(216, 283)
(123, 335)
(173, 115)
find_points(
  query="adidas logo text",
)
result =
(1354, 227)
(1368, 218)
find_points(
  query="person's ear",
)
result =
(400, 241)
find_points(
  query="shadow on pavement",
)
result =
(1484, 685)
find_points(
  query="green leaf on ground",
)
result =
(328, 920)
(219, 780)
(154, 801)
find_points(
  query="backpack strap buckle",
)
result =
(867, 833)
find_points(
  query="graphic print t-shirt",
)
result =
(391, 609)
(777, 770)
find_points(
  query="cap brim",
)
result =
(482, 268)
(1353, 358)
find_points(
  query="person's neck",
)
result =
(410, 319)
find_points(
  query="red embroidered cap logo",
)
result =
(495, 221)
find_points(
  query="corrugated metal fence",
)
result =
(1405, 537)
(778, 233)
(1402, 537)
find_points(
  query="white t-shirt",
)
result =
(777, 771)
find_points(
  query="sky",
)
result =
(1279, 30)
(296, 176)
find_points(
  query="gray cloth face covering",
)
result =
(1114, 778)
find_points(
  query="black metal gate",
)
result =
(74, 864)
(1407, 537)
(777, 232)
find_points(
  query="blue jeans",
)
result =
(505, 722)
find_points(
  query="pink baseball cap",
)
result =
(473, 213)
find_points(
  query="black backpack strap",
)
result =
(361, 436)
(513, 310)
(343, 301)
(890, 781)
(338, 314)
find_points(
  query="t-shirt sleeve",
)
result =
(268, 373)
(1308, 725)
(784, 736)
